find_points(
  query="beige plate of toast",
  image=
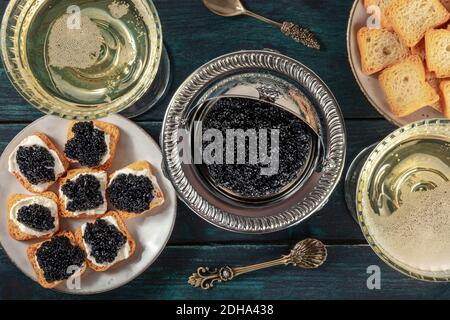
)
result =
(370, 84)
(150, 232)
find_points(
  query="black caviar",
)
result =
(105, 240)
(131, 193)
(36, 163)
(84, 193)
(37, 217)
(88, 146)
(59, 259)
(295, 142)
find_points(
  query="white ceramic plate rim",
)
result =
(168, 213)
(369, 88)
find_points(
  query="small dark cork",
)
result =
(58, 258)
(246, 179)
(84, 193)
(37, 217)
(131, 193)
(88, 146)
(105, 240)
(36, 164)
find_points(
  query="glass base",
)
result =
(156, 92)
(351, 179)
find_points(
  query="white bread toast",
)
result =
(379, 48)
(15, 231)
(437, 47)
(158, 196)
(412, 18)
(406, 88)
(445, 91)
(114, 136)
(51, 146)
(122, 227)
(382, 4)
(31, 253)
(72, 174)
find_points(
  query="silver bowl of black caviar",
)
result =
(292, 137)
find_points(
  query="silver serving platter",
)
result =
(277, 79)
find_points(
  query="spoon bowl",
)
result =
(225, 8)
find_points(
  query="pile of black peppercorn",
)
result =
(295, 143)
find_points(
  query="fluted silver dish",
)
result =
(271, 77)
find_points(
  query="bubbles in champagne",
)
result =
(98, 62)
(418, 233)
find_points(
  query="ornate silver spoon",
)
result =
(307, 254)
(231, 8)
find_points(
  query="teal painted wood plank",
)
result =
(332, 223)
(343, 276)
(194, 36)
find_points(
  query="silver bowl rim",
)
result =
(296, 72)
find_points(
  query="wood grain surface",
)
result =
(193, 36)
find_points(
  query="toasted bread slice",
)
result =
(445, 91)
(434, 83)
(13, 227)
(446, 4)
(379, 48)
(437, 46)
(51, 146)
(406, 88)
(31, 253)
(412, 18)
(122, 228)
(73, 174)
(382, 4)
(158, 196)
(114, 135)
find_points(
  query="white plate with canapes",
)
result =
(146, 233)
(374, 17)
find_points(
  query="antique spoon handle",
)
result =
(264, 19)
(204, 278)
(299, 34)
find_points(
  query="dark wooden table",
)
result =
(193, 36)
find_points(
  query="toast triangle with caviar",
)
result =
(406, 88)
(158, 196)
(31, 254)
(114, 136)
(122, 228)
(63, 212)
(50, 145)
(14, 230)
(379, 48)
